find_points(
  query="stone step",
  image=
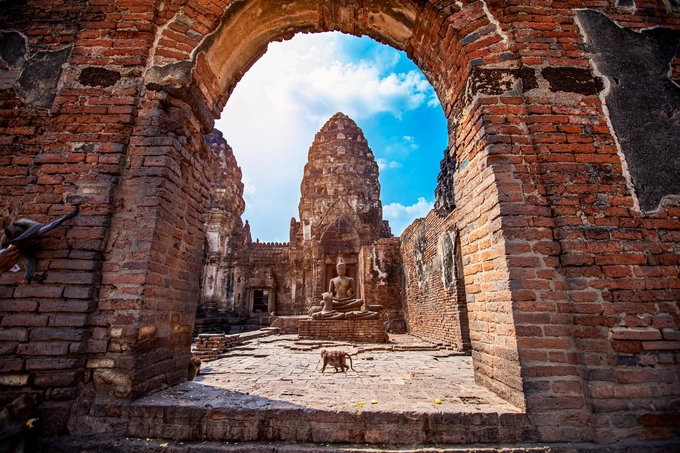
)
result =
(219, 415)
(111, 444)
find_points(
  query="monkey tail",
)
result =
(350, 361)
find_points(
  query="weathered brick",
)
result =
(24, 321)
(65, 334)
(50, 349)
(661, 345)
(78, 292)
(71, 306)
(632, 333)
(55, 379)
(671, 334)
(631, 376)
(16, 306)
(50, 364)
(14, 380)
(18, 335)
(38, 292)
(11, 364)
(68, 320)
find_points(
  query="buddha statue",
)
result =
(342, 291)
(339, 301)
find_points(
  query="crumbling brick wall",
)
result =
(436, 309)
(65, 130)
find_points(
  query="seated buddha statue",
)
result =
(339, 301)
(342, 291)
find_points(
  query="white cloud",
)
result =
(410, 142)
(386, 165)
(361, 90)
(248, 188)
(401, 216)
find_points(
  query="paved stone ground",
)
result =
(405, 375)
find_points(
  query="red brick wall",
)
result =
(361, 330)
(434, 310)
(52, 332)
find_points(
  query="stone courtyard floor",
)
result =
(404, 375)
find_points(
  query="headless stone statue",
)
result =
(338, 302)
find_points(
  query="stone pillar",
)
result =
(271, 303)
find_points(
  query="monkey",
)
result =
(336, 359)
(15, 422)
(23, 233)
(194, 367)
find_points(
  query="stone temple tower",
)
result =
(224, 228)
(340, 209)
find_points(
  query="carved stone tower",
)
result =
(340, 212)
(340, 209)
(224, 227)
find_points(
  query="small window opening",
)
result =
(260, 300)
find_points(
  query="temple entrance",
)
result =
(564, 203)
(260, 301)
(396, 25)
(333, 232)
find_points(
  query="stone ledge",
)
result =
(209, 346)
(112, 444)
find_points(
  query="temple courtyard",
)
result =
(400, 393)
(403, 375)
(269, 395)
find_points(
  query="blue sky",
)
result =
(284, 99)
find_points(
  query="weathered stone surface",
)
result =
(644, 103)
(224, 227)
(13, 48)
(340, 209)
(37, 85)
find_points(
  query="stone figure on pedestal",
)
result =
(339, 301)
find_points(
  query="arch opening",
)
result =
(220, 66)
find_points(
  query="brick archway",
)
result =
(448, 43)
(572, 289)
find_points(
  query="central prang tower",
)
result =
(340, 209)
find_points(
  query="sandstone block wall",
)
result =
(381, 277)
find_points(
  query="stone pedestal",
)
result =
(366, 330)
